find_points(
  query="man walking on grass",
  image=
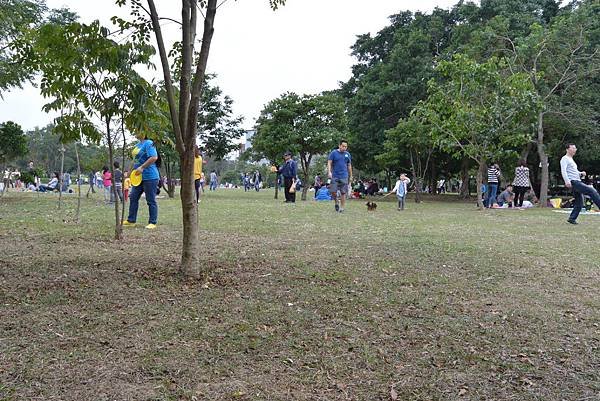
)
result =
(339, 170)
(572, 177)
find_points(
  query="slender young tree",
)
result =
(183, 111)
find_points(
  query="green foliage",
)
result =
(217, 128)
(16, 19)
(307, 125)
(13, 143)
(477, 110)
(88, 74)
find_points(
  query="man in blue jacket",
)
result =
(288, 170)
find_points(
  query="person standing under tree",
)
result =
(289, 170)
(400, 189)
(339, 170)
(572, 177)
(521, 183)
(213, 180)
(493, 173)
(118, 183)
(145, 157)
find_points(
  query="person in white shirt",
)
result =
(400, 189)
(572, 177)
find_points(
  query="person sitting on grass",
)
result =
(506, 197)
(52, 185)
(323, 194)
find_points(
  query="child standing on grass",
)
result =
(126, 185)
(401, 188)
(106, 182)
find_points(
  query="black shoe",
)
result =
(572, 221)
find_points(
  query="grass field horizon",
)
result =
(437, 302)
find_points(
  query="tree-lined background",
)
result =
(437, 95)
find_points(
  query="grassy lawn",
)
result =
(438, 302)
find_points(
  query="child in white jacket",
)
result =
(401, 188)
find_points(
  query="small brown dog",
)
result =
(371, 206)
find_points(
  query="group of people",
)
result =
(514, 194)
(339, 172)
(252, 180)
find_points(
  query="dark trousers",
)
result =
(197, 186)
(580, 189)
(519, 195)
(287, 183)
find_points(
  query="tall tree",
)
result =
(476, 110)
(13, 142)
(16, 19)
(218, 129)
(412, 140)
(558, 51)
(183, 111)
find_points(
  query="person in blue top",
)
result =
(289, 171)
(323, 194)
(144, 162)
(339, 169)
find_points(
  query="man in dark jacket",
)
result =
(288, 170)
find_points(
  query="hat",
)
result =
(287, 153)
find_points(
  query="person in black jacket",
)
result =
(288, 170)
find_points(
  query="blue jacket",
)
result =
(289, 169)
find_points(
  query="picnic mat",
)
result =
(583, 211)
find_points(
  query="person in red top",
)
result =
(107, 183)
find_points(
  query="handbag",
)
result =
(293, 187)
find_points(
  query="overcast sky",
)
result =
(257, 53)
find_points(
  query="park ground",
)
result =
(438, 302)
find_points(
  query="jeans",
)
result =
(107, 193)
(492, 191)
(213, 186)
(198, 186)
(580, 189)
(148, 187)
(400, 202)
(119, 194)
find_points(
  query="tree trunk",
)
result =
(5, 181)
(417, 178)
(464, 176)
(78, 212)
(543, 161)
(170, 181)
(60, 178)
(111, 161)
(276, 185)
(190, 260)
(305, 161)
(184, 118)
(123, 167)
(432, 179)
(480, 171)
(388, 179)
